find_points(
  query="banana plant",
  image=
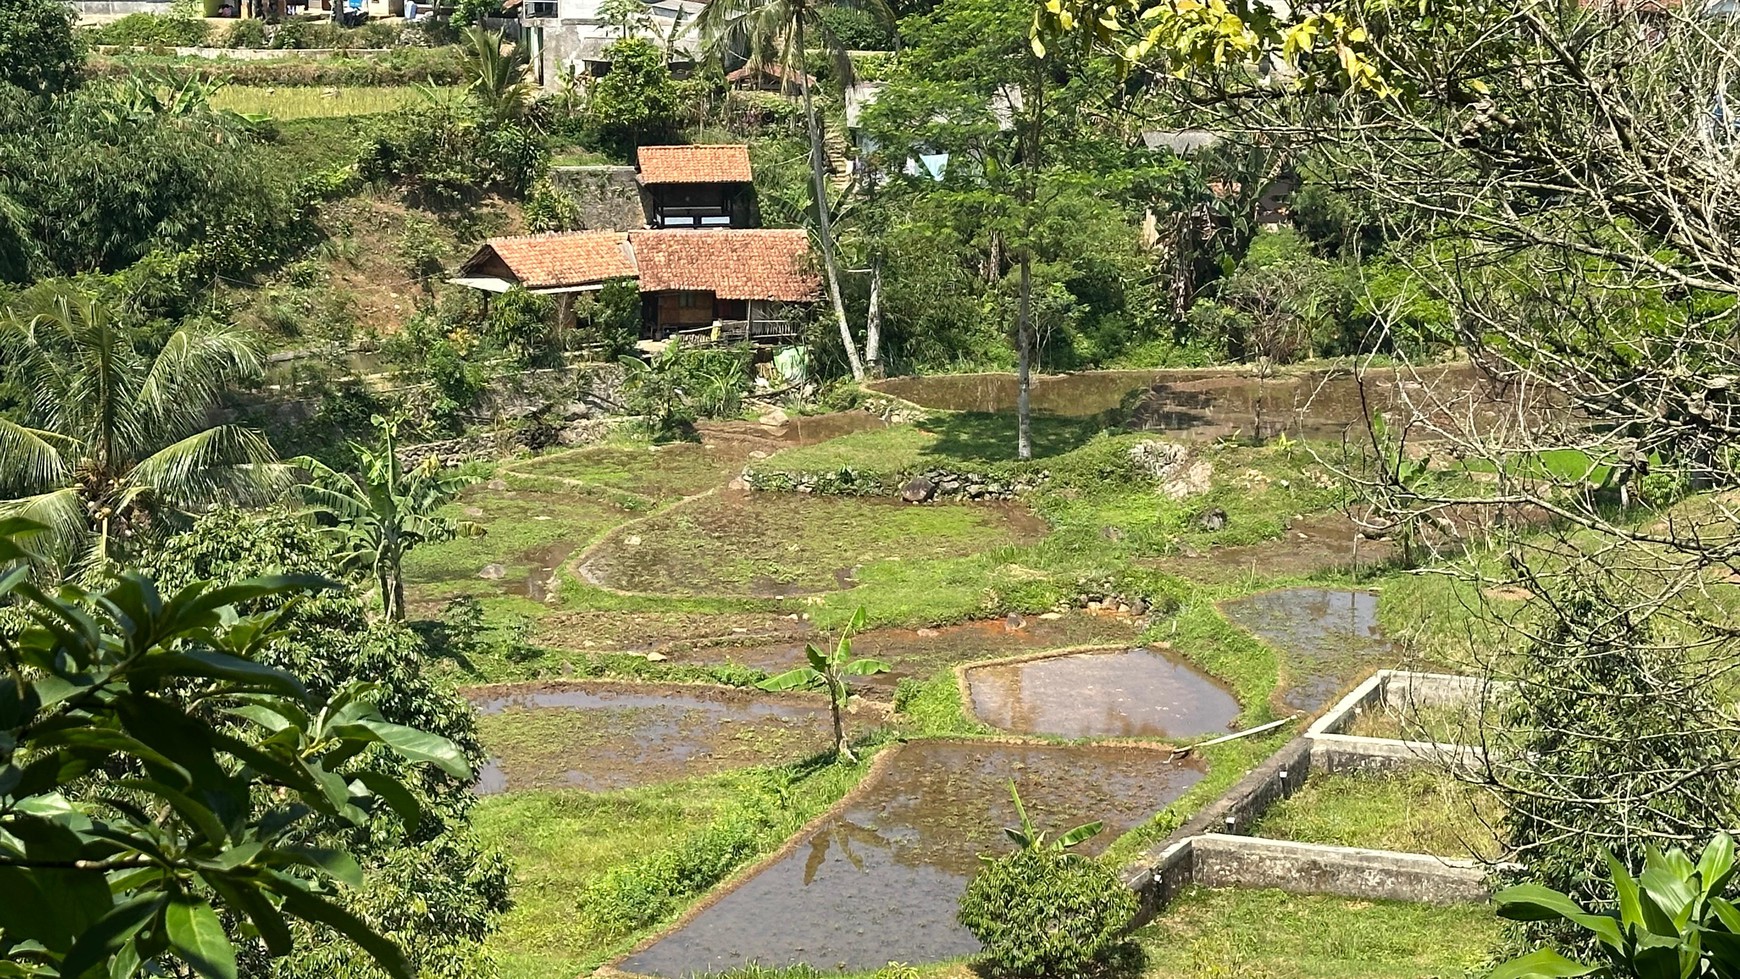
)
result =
(828, 671)
(1028, 837)
(1672, 921)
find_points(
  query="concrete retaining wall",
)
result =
(1218, 860)
(1208, 849)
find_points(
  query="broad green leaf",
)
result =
(198, 936)
(337, 863)
(1534, 902)
(103, 940)
(393, 793)
(791, 680)
(1716, 864)
(1546, 964)
(1625, 889)
(421, 746)
(865, 667)
(1080, 834)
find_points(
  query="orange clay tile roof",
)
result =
(553, 261)
(732, 264)
(721, 164)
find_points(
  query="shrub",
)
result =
(612, 318)
(37, 50)
(636, 102)
(1044, 912)
(246, 34)
(152, 31)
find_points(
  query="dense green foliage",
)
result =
(684, 383)
(1599, 676)
(156, 768)
(101, 178)
(430, 886)
(37, 50)
(637, 101)
(1045, 912)
(149, 30)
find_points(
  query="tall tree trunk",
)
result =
(873, 318)
(1024, 361)
(824, 228)
(1034, 104)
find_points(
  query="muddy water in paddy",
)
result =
(1071, 395)
(601, 735)
(922, 652)
(1123, 693)
(1328, 639)
(880, 881)
(1217, 404)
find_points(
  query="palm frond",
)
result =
(30, 462)
(225, 463)
(66, 540)
(186, 378)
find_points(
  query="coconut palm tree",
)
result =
(382, 511)
(110, 442)
(782, 32)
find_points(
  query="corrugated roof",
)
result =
(715, 164)
(552, 261)
(769, 264)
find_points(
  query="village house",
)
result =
(697, 186)
(723, 284)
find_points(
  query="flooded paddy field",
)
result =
(1111, 694)
(602, 735)
(1328, 637)
(660, 553)
(878, 880)
(1213, 404)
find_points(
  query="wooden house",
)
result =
(697, 186)
(726, 284)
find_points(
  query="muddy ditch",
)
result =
(1117, 693)
(605, 735)
(1328, 639)
(879, 878)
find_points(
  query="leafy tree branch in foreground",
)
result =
(155, 777)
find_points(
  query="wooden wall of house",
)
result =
(679, 310)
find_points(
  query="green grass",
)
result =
(1264, 934)
(594, 872)
(768, 543)
(657, 472)
(1414, 812)
(311, 102)
(524, 531)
